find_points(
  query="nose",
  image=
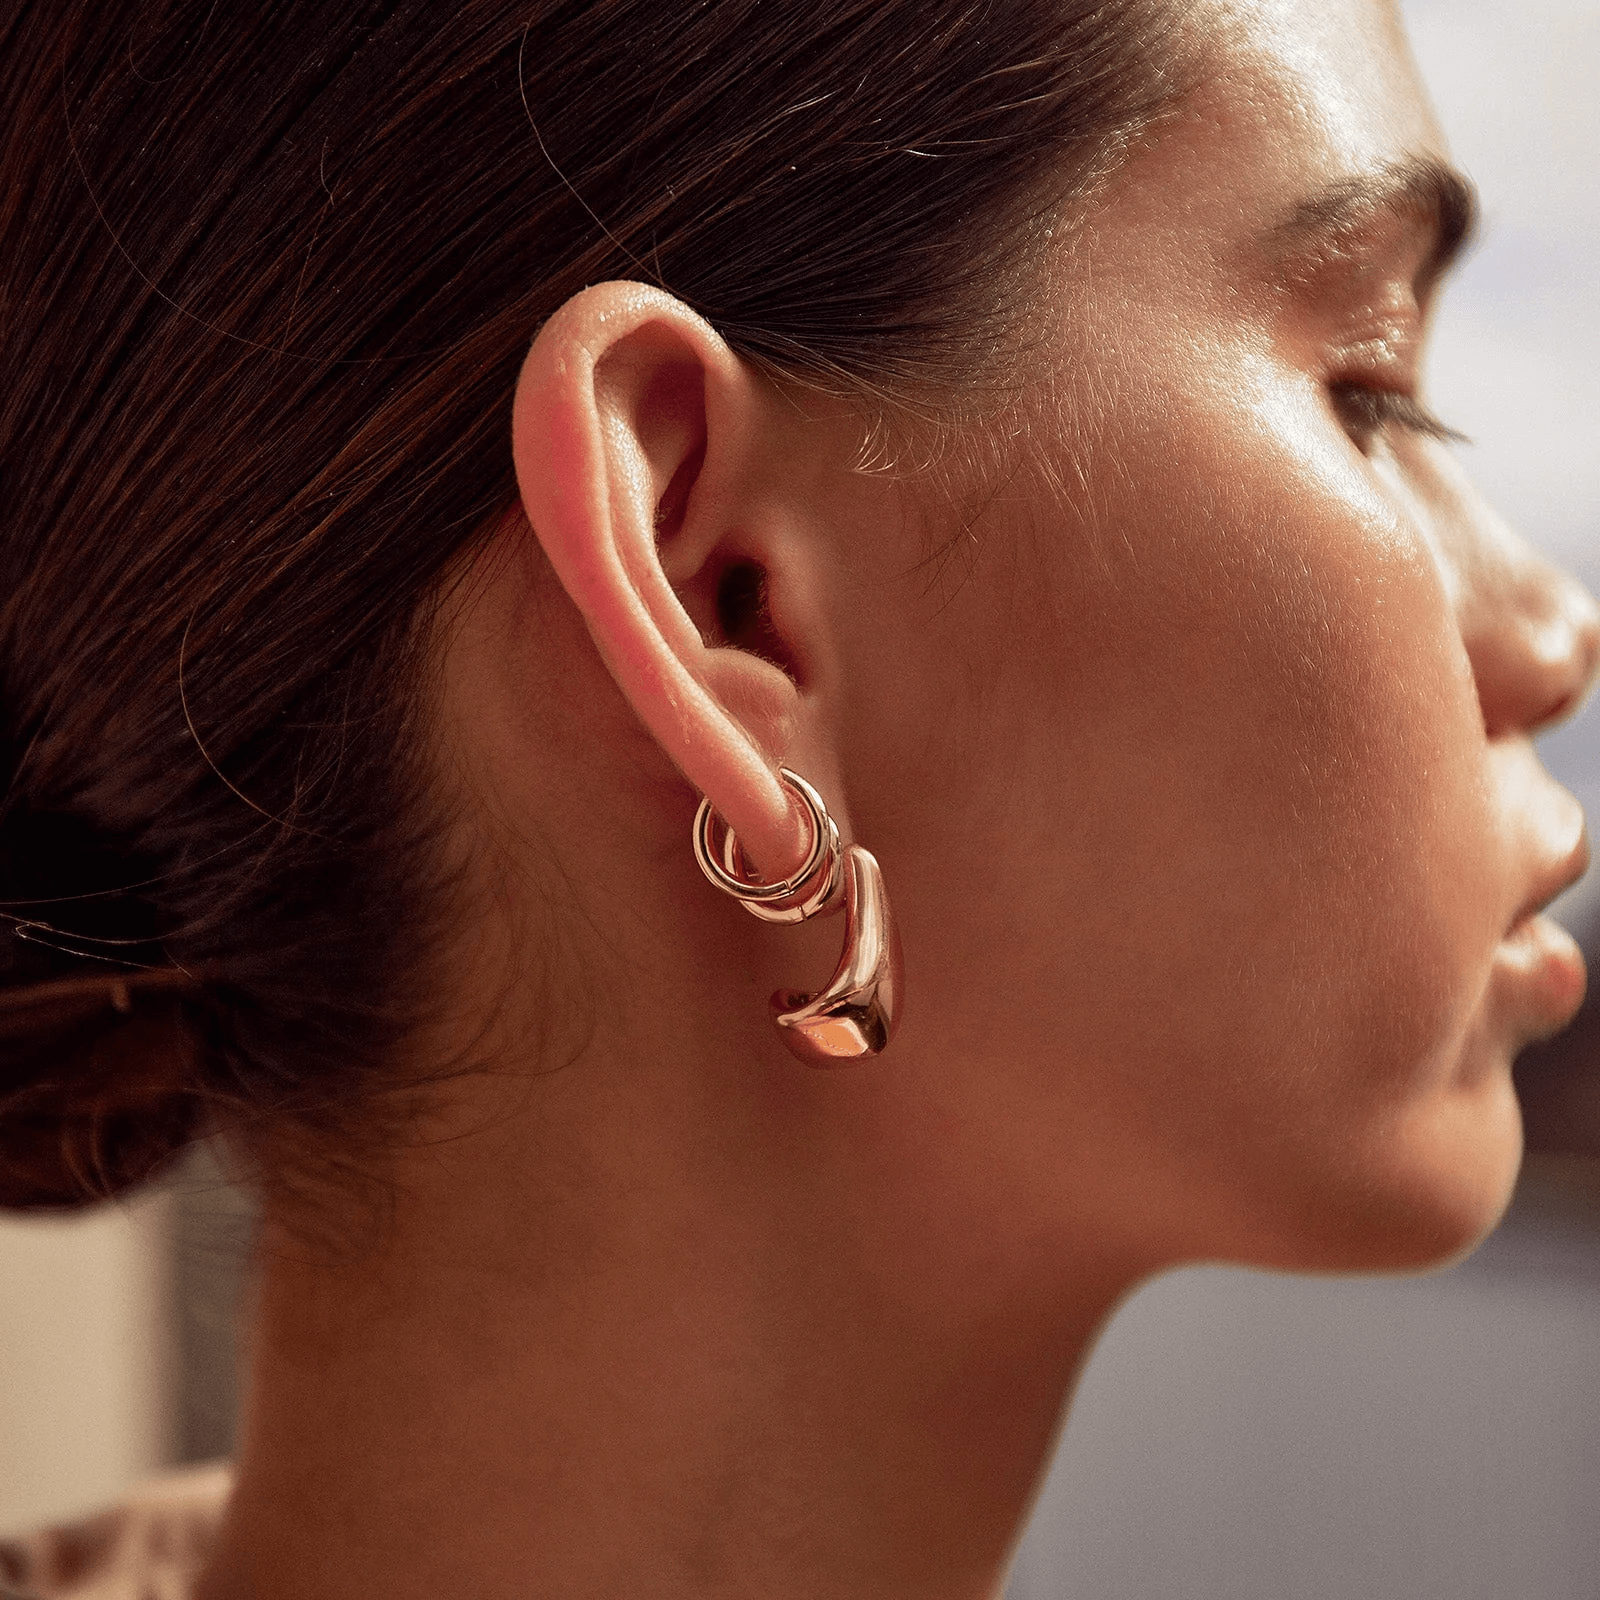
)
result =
(1533, 637)
(1532, 632)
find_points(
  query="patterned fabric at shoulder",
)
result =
(150, 1547)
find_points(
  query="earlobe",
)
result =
(631, 432)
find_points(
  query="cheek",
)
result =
(1221, 762)
(1259, 703)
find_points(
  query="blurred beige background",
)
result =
(87, 1368)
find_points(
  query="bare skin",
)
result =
(1201, 778)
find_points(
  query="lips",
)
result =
(1538, 961)
(1559, 873)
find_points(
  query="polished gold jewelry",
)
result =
(855, 1014)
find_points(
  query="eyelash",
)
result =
(1366, 410)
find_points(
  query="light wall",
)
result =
(1244, 1437)
(85, 1368)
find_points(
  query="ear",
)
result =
(633, 431)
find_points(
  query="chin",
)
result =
(1426, 1195)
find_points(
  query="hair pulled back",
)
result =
(267, 275)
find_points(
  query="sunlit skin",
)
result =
(1186, 702)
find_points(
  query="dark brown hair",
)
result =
(267, 274)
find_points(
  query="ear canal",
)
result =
(744, 617)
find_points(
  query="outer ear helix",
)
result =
(856, 1013)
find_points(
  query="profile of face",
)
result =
(1245, 703)
(1218, 765)
(1186, 698)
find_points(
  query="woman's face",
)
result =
(1198, 758)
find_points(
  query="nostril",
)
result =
(1558, 710)
(1586, 640)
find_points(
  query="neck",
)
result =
(595, 1352)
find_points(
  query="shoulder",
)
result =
(152, 1543)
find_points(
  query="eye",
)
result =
(1367, 411)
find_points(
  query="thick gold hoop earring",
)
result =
(856, 1013)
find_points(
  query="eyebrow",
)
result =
(1440, 198)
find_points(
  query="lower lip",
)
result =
(1540, 967)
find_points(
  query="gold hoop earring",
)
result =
(857, 1012)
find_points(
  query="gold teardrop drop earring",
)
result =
(855, 1014)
